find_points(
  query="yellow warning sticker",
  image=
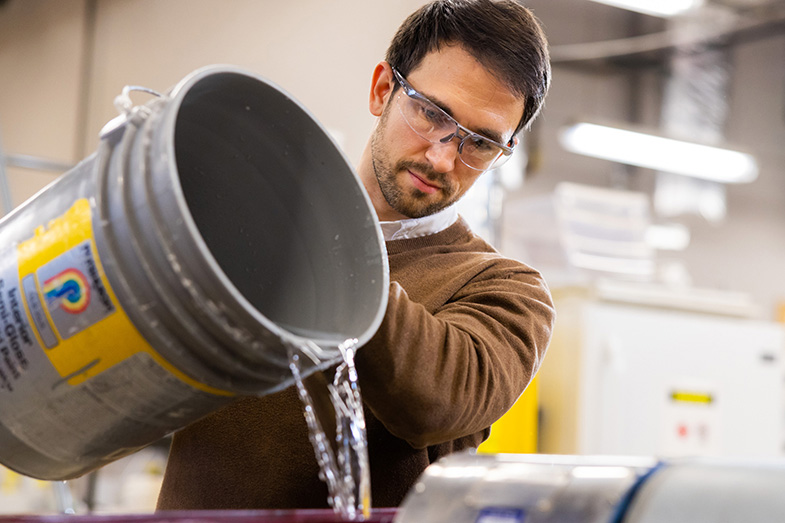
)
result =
(685, 396)
(78, 320)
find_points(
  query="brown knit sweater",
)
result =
(464, 333)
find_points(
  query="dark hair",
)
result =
(501, 34)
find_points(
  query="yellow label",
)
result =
(692, 397)
(76, 316)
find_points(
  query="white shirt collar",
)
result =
(416, 227)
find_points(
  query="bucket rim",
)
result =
(175, 97)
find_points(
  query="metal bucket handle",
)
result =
(128, 112)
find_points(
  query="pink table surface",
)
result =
(381, 515)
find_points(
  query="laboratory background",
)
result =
(650, 193)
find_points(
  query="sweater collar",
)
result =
(417, 227)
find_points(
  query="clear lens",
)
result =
(427, 120)
(479, 153)
(432, 123)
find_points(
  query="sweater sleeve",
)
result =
(431, 377)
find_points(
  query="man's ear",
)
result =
(382, 83)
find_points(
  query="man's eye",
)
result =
(482, 145)
(433, 115)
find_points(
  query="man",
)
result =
(465, 328)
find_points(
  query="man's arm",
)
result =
(433, 377)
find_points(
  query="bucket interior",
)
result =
(279, 208)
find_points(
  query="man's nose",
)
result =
(443, 156)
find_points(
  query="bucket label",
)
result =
(67, 306)
(75, 296)
(16, 338)
(70, 303)
(79, 384)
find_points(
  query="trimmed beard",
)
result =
(413, 204)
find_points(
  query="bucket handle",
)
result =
(123, 103)
(129, 112)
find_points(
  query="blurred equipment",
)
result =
(216, 229)
(695, 106)
(611, 232)
(688, 154)
(470, 488)
(604, 230)
(641, 369)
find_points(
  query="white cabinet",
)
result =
(631, 379)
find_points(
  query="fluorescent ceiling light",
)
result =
(662, 154)
(664, 8)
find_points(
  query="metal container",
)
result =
(712, 490)
(214, 228)
(524, 488)
(543, 488)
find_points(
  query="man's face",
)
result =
(416, 177)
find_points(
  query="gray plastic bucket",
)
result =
(213, 228)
